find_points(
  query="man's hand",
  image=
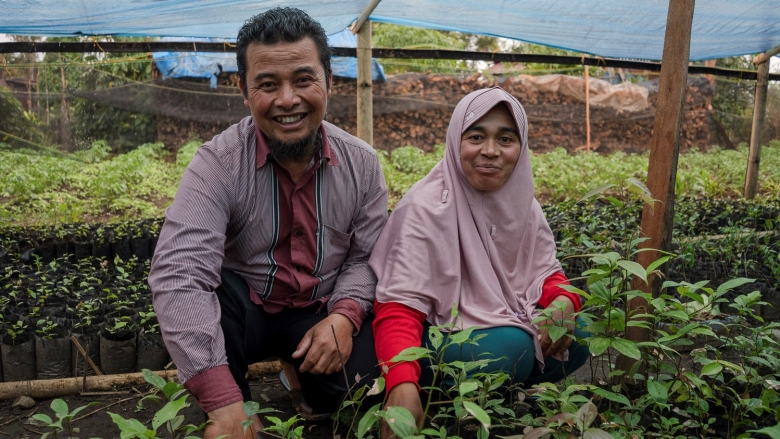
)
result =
(319, 347)
(407, 396)
(227, 421)
(564, 308)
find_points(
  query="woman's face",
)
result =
(489, 149)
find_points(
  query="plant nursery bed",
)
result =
(94, 420)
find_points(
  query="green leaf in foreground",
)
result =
(598, 345)
(657, 391)
(168, 412)
(368, 420)
(131, 428)
(773, 432)
(478, 413)
(400, 421)
(556, 332)
(153, 379)
(627, 348)
(712, 369)
(633, 268)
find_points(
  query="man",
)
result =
(264, 251)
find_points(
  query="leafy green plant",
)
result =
(167, 416)
(15, 330)
(46, 328)
(64, 419)
(120, 324)
(472, 396)
(86, 312)
(148, 321)
(286, 429)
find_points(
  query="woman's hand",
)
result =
(563, 311)
(407, 396)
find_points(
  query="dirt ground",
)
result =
(94, 421)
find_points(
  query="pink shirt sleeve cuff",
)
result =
(214, 388)
(352, 310)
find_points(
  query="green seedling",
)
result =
(64, 419)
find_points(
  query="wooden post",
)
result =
(365, 104)
(365, 107)
(67, 142)
(46, 80)
(587, 108)
(664, 151)
(759, 111)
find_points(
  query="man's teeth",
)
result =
(289, 119)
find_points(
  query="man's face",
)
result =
(286, 90)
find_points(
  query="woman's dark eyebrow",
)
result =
(512, 130)
(504, 129)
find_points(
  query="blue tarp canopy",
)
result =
(632, 29)
(211, 64)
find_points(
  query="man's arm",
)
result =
(357, 282)
(184, 274)
(355, 289)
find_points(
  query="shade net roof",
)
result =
(631, 29)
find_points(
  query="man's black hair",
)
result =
(288, 25)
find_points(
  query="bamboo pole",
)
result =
(587, 108)
(664, 151)
(46, 79)
(364, 16)
(759, 112)
(67, 143)
(365, 105)
(764, 57)
(87, 360)
(43, 389)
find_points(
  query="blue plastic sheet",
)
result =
(346, 67)
(632, 29)
(210, 64)
(195, 64)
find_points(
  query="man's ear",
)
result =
(242, 87)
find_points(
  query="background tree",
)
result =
(405, 37)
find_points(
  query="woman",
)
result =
(472, 234)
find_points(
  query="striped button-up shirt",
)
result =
(228, 213)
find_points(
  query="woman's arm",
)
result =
(551, 291)
(397, 327)
(567, 303)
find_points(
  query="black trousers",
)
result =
(253, 335)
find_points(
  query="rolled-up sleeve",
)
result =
(185, 272)
(357, 280)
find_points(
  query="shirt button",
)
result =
(299, 233)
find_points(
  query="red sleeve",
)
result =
(551, 290)
(397, 327)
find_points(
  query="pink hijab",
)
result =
(486, 252)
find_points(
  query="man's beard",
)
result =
(297, 150)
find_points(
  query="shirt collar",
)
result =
(263, 152)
